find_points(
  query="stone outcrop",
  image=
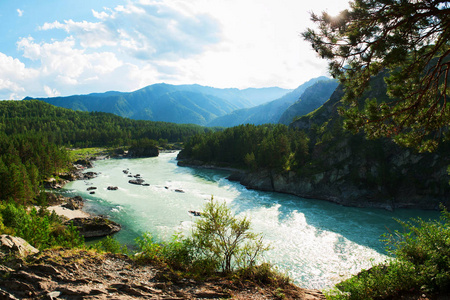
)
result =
(95, 226)
(80, 274)
(74, 203)
(15, 246)
(137, 181)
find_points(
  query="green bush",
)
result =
(220, 236)
(219, 242)
(111, 245)
(41, 229)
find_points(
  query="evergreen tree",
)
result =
(407, 39)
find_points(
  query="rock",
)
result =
(146, 184)
(55, 199)
(84, 162)
(138, 181)
(95, 226)
(179, 191)
(92, 193)
(125, 171)
(11, 245)
(74, 203)
(112, 188)
(91, 188)
(89, 175)
(195, 213)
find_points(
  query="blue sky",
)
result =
(65, 47)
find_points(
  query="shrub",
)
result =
(41, 229)
(219, 242)
(111, 245)
(221, 237)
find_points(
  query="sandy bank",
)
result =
(68, 213)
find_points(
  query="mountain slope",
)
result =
(169, 103)
(310, 100)
(266, 113)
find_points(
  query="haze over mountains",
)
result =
(193, 104)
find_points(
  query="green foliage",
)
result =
(408, 40)
(41, 229)
(263, 146)
(111, 245)
(264, 274)
(62, 126)
(421, 264)
(219, 242)
(226, 239)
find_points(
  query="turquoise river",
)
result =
(316, 242)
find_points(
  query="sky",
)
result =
(64, 47)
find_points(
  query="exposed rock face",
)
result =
(78, 274)
(95, 226)
(402, 180)
(15, 246)
(86, 163)
(74, 203)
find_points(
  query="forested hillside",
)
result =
(310, 100)
(34, 136)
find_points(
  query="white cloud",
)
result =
(233, 43)
(51, 92)
(145, 30)
(20, 12)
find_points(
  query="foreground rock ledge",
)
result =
(81, 274)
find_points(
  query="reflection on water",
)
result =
(316, 242)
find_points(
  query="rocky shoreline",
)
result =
(70, 209)
(322, 187)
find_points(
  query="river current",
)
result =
(315, 242)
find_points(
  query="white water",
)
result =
(317, 243)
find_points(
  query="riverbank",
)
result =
(60, 210)
(323, 187)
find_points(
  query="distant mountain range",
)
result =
(170, 103)
(208, 106)
(268, 112)
(311, 99)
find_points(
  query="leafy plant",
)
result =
(111, 245)
(224, 238)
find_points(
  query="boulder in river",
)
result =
(137, 181)
(112, 188)
(89, 175)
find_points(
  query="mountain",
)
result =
(310, 100)
(169, 103)
(266, 113)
